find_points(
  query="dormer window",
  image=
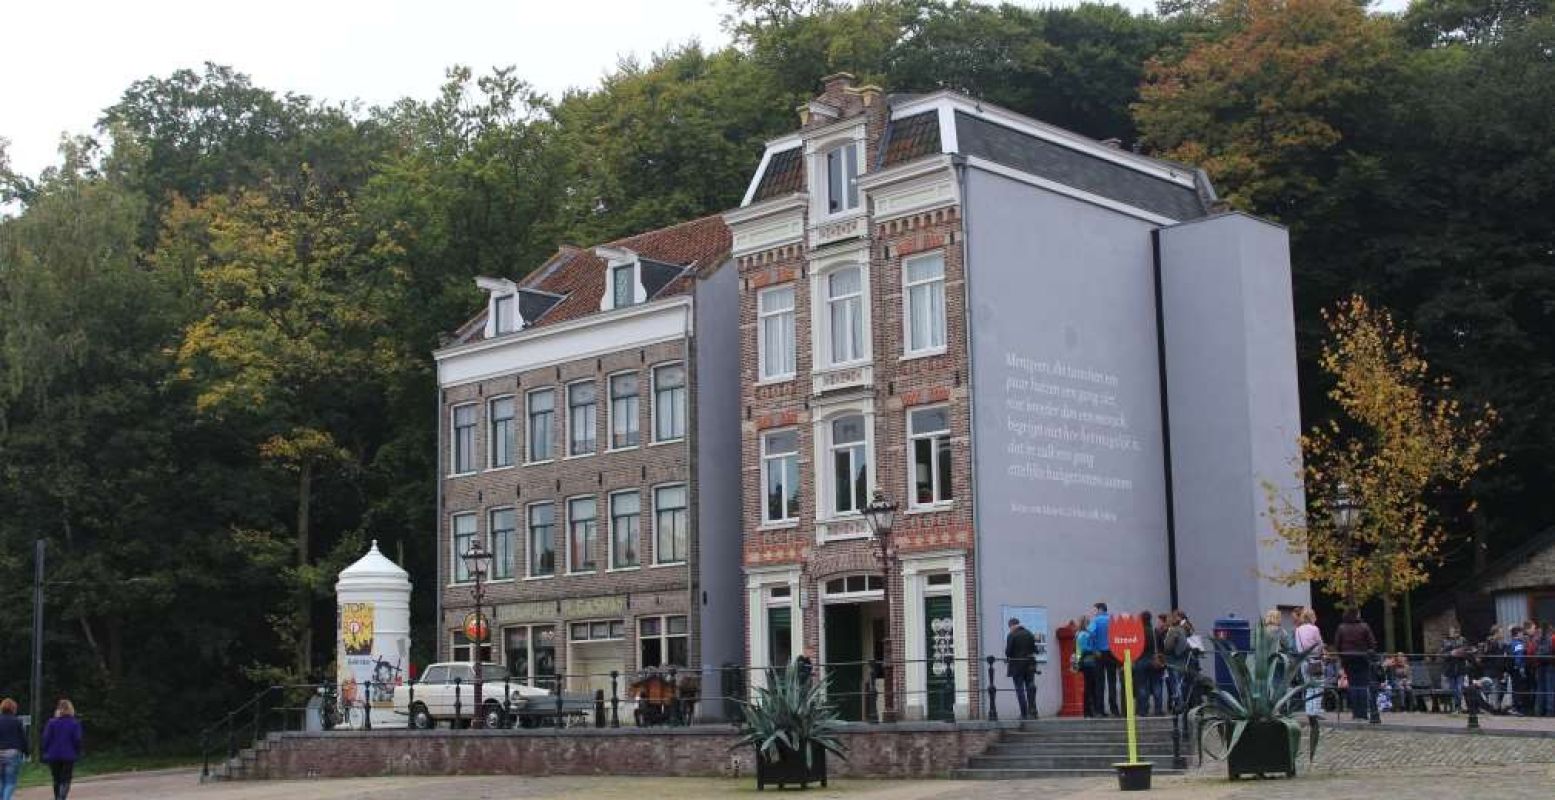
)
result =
(842, 178)
(502, 314)
(621, 285)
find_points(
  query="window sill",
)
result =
(576, 456)
(623, 449)
(920, 354)
(780, 525)
(539, 577)
(930, 509)
(632, 568)
(667, 564)
(499, 580)
(854, 364)
(594, 571)
(776, 380)
(658, 442)
(463, 474)
(502, 468)
(538, 463)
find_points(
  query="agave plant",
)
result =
(791, 713)
(1270, 685)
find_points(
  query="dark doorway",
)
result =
(844, 657)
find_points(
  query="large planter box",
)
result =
(1264, 749)
(790, 768)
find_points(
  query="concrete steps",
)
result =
(1071, 748)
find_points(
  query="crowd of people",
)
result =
(61, 747)
(1511, 671)
(1160, 671)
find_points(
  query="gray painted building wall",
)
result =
(720, 592)
(1234, 410)
(1069, 477)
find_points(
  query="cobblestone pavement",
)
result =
(1351, 763)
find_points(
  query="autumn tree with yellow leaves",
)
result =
(1404, 447)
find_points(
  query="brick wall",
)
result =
(899, 751)
(899, 384)
(647, 590)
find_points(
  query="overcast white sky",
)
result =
(66, 61)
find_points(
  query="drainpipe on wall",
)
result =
(693, 491)
(437, 529)
(974, 649)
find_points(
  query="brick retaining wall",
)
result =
(909, 750)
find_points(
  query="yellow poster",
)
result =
(356, 628)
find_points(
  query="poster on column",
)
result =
(1034, 618)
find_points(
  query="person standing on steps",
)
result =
(1149, 671)
(1085, 664)
(1106, 663)
(62, 747)
(1020, 658)
(13, 746)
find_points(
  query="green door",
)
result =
(844, 654)
(940, 644)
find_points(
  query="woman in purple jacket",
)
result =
(62, 747)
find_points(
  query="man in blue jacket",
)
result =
(1106, 663)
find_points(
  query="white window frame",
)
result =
(630, 271)
(609, 637)
(550, 433)
(529, 551)
(572, 567)
(909, 307)
(851, 308)
(819, 146)
(767, 463)
(658, 552)
(610, 544)
(663, 637)
(491, 432)
(529, 629)
(852, 194)
(454, 646)
(820, 309)
(833, 526)
(590, 382)
(913, 436)
(498, 327)
(852, 595)
(491, 536)
(685, 402)
(788, 335)
(453, 547)
(453, 438)
(636, 418)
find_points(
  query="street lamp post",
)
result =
(1346, 516)
(1346, 512)
(881, 514)
(477, 631)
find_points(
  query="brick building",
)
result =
(582, 441)
(975, 315)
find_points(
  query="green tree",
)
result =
(293, 349)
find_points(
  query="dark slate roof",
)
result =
(533, 304)
(979, 137)
(657, 275)
(911, 137)
(784, 175)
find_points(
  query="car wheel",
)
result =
(420, 718)
(493, 716)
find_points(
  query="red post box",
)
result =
(1073, 685)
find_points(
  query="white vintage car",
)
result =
(431, 698)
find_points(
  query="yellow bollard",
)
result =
(1128, 703)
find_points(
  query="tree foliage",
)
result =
(216, 311)
(1404, 447)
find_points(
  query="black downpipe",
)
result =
(1166, 422)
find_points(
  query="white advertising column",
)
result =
(372, 643)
